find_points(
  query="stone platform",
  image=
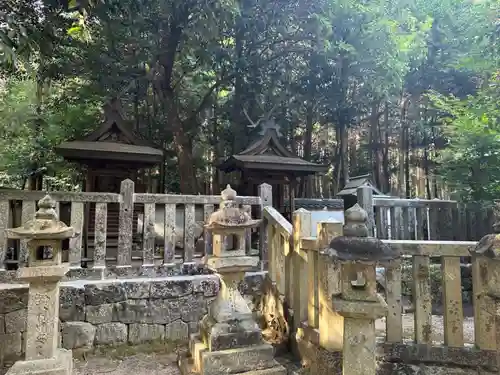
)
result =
(62, 364)
(256, 359)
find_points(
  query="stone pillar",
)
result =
(358, 302)
(230, 342)
(44, 272)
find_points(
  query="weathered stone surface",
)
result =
(98, 294)
(2, 324)
(231, 335)
(99, 314)
(11, 344)
(77, 335)
(171, 288)
(13, 299)
(111, 334)
(238, 360)
(209, 287)
(139, 333)
(192, 308)
(72, 303)
(251, 283)
(147, 312)
(407, 369)
(177, 331)
(15, 321)
(138, 290)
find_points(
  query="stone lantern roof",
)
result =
(45, 226)
(230, 215)
(355, 245)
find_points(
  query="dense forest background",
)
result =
(406, 90)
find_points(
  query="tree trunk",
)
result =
(187, 173)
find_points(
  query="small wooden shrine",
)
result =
(267, 160)
(112, 153)
(350, 190)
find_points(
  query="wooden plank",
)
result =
(432, 248)
(191, 199)
(75, 243)
(189, 224)
(125, 224)
(405, 227)
(301, 228)
(365, 200)
(394, 224)
(169, 233)
(433, 224)
(27, 213)
(283, 247)
(149, 234)
(484, 321)
(398, 202)
(452, 296)
(271, 234)
(422, 300)
(4, 224)
(312, 282)
(381, 222)
(394, 322)
(60, 196)
(266, 196)
(331, 323)
(100, 233)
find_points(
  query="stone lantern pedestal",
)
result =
(230, 341)
(358, 301)
(43, 273)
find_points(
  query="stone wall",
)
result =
(114, 312)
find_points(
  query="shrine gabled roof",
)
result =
(269, 154)
(352, 185)
(113, 140)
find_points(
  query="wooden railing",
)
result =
(126, 251)
(421, 253)
(425, 219)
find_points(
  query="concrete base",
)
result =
(251, 360)
(61, 364)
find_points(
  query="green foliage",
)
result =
(28, 138)
(472, 126)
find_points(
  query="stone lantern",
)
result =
(230, 341)
(45, 234)
(358, 302)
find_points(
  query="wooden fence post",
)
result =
(331, 324)
(365, 200)
(301, 228)
(266, 195)
(125, 227)
(4, 224)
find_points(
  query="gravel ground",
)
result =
(140, 364)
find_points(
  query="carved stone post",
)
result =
(230, 342)
(358, 302)
(44, 271)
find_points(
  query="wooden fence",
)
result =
(126, 253)
(423, 219)
(307, 281)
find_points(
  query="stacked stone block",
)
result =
(119, 312)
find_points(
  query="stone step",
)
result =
(187, 367)
(240, 360)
